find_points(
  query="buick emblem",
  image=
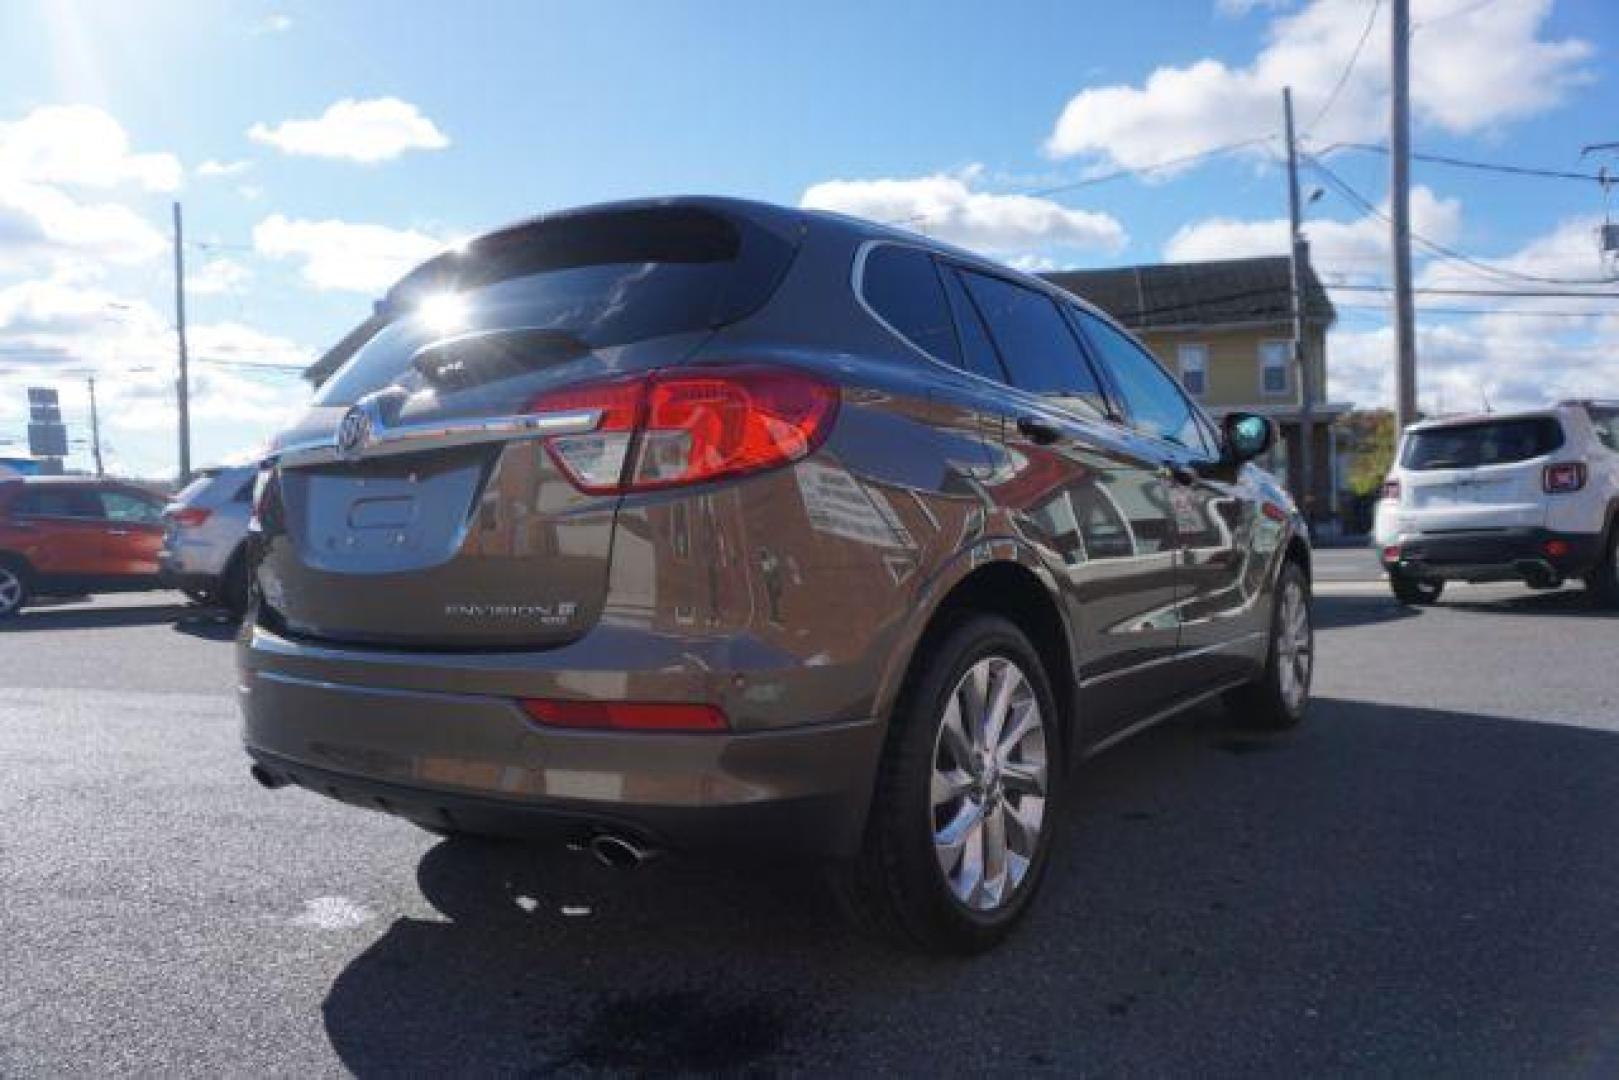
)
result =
(353, 433)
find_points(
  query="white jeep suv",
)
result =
(1527, 496)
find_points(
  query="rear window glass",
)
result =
(564, 286)
(1606, 423)
(1490, 442)
(902, 286)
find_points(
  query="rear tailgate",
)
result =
(416, 505)
(1483, 474)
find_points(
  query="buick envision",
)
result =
(700, 522)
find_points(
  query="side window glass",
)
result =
(1040, 351)
(1155, 404)
(903, 288)
(978, 351)
(122, 506)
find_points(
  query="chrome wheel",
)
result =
(989, 784)
(10, 590)
(1295, 647)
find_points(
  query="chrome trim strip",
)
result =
(1109, 676)
(414, 438)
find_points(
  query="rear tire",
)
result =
(967, 796)
(1413, 591)
(15, 590)
(1280, 697)
(1603, 581)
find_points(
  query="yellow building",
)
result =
(1226, 329)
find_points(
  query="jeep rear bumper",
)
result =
(1536, 556)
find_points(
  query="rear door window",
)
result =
(1606, 423)
(58, 502)
(902, 286)
(128, 506)
(977, 350)
(1488, 442)
(1035, 343)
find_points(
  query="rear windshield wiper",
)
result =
(491, 355)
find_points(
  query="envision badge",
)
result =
(558, 614)
(353, 433)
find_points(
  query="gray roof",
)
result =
(1226, 291)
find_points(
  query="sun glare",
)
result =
(443, 312)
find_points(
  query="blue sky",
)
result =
(320, 149)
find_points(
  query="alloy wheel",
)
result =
(1295, 647)
(10, 590)
(989, 784)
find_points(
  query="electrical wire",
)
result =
(1482, 166)
(1354, 57)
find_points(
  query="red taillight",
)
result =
(1391, 554)
(625, 715)
(687, 426)
(1391, 489)
(190, 516)
(1563, 477)
(1556, 549)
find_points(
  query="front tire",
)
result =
(961, 822)
(14, 587)
(1280, 697)
(1414, 591)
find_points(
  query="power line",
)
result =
(1441, 250)
(1457, 14)
(1482, 166)
(1514, 294)
(1521, 312)
(1354, 57)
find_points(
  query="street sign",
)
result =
(47, 440)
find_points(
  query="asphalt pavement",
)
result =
(1421, 880)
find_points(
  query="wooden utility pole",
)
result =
(1405, 332)
(182, 386)
(95, 428)
(1298, 260)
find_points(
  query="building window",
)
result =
(1273, 363)
(1194, 365)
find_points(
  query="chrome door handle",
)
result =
(117, 532)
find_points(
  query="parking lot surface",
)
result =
(1421, 880)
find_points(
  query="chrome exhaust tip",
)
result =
(619, 852)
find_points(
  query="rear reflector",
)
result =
(690, 425)
(1556, 548)
(190, 516)
(625, 715)
(1563, 477)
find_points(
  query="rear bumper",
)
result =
(1534, 555)
(477, 762)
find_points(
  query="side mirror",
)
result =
(1247, 435)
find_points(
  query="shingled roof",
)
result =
(1225, 291)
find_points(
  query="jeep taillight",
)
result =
(190, 516)
(1563, 477)
(689, 425)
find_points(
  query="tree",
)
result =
(1370, 435)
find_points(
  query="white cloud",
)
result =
(273, 24)
(946, 206)
(212, 167)
(41, 226)
(1525, 351)
(342, 254)
(218, 276)
(81, 145)
(377, 129)
(1344, 247)
(1473, 67)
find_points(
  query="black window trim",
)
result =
(1125, 420)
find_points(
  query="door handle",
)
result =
(1038, 431)
(117, 532)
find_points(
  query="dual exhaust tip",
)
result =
(615, 851)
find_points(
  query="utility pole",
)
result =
(95, 428)
(1405, 332)
(1298, 260)
(182, 386)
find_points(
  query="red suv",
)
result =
(69, 536)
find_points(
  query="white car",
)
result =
(1527, 496)
(204, 539)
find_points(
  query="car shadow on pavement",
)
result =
(1338, 612)
(1387, 890)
